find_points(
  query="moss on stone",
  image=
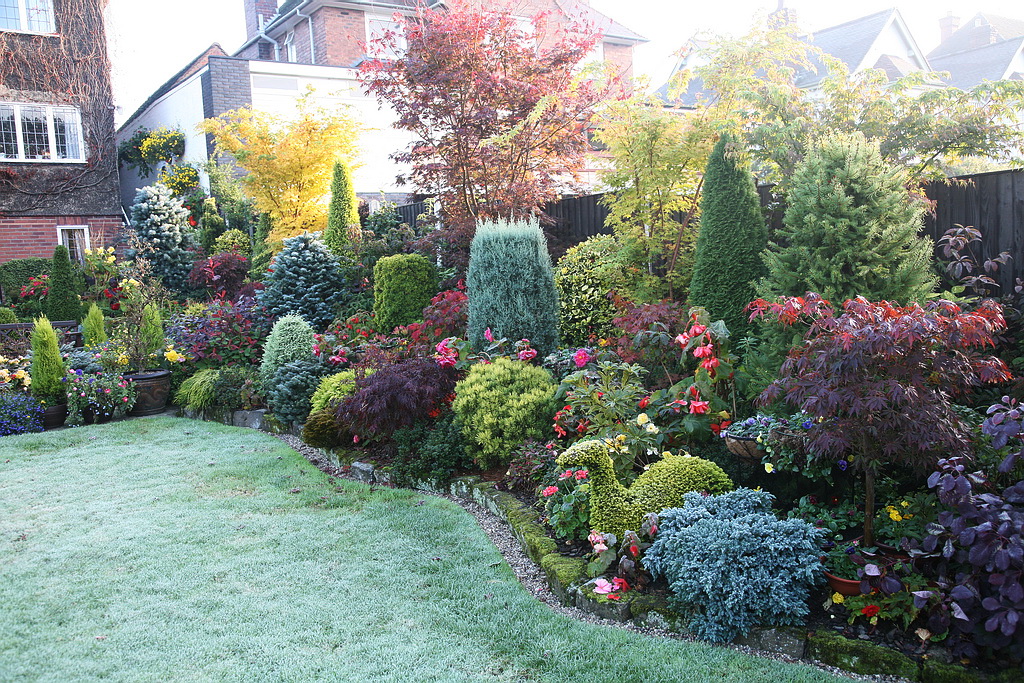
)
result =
(859, 656)
(564, 571)
(938, 672)
(538, 544)
(642, 603)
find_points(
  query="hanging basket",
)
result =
(745, 447)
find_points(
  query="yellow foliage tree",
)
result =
(289, 162)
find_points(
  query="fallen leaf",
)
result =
(295, 491)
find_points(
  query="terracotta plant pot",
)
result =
(55, 416)
(154, 387)
(843, 586)
(745, 447)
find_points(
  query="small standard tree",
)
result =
(306, 281)
(160, 222)
(851, 229)
(732, 236)
(62, 301)
(343, 211)
(511, 286)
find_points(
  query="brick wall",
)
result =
(337, 36)
(226, 86)
(26, 236)
(254, 9)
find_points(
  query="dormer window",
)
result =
(40, 133)
(290, 53)
(27, 16)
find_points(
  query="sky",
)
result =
(150, 41)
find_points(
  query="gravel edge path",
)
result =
(534, 581)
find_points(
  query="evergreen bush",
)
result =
(431, 452)
(234, 241)
(290, 339)
(510, 285)
(321, 430)
(732, 236)
(403, 286)
(732, 565)
(262, 248)
(152, 330)
(94, 331)
(343, 211)
(583, 286)
(292, 387)
(501, 405)
(7, 316)
(850, 229)
(212, 225)
(161, 223)
(47, 369)
(306, 281)
(16, 273)
(199, 391)
(332, 390)
(62, 301)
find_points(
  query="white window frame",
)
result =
(291, 54)
(373, 25)
(23, 18)
(63, 230)
(50, 132)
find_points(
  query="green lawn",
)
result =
(173, 550)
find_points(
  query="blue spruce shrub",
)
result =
(161, 222)
(732, 564)
(306, 281)
(290, 339)
(19, 413)
(511, 287)
(292, 387)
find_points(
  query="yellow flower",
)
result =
(122, 360)
(666, 454)
(642, 419)
(759, 439)
(621, 438)
(769, 468)
(904, 503)
(895, 516)
(838, 598)
(173, 356)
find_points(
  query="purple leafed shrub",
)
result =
(223, 334)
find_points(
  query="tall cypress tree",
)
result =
(731, 238)
(62, 302)
(851, 229)
(342, 212)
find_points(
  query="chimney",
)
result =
(257, 15)
(948, 26)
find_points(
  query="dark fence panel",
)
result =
(573, 220)
(14, 337)
(410, 212)
(992, 203)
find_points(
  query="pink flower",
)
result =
(602, 587)
(595, 537)
(316, 349)
(581, 358)
(682, 339)
(527, 354)
(488, 335)
(355, 438)
(82, 394)
(106, 391)
(705, 351)
(334, 360)
(600, 547)
(565, 475)
(620, 583)
(709, 363)
(549, 491)
(581, 475)
(699, 407)
(125, 399)
(697, 329)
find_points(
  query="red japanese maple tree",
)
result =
(499, 112)
(880, 378)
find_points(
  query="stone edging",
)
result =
(568, 580)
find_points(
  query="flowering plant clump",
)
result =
(32, 296)
(19, 414)
(567, 503)
(564, 362)
(14, 374)
(623, 560)
(115, 355)
(531, 464)
(221, 333)
(459, 353)
(833, 515)
(101, 277)
(104, 395)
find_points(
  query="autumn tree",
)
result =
(499, 113)
(288, 162)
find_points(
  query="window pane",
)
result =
(33, 133)
(74, 240)
(9, 17)
(67, 133)
(40, 15)
(8, 133)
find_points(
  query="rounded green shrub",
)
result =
(431, 452)
(94, 331)
(321, 430)
(233, 240)
(306, 280)
(47, 369)
(290, 339)
(403, 285)
(293, 385)
(615, 508)
(501, 405)
(333, 389)
(583, 286)
(510, 285)
(7, 316)
(62, 301)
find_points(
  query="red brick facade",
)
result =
(339, 35)
(36, 236)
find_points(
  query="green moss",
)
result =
(860, 656)
(537, 543)
(563, 571)
(937, 672)
(642, 603)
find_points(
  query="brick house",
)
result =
(58, 167)
(318, 44)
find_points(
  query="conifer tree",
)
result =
(731, 238)
(93, 329)
(62, 302)
(160, 221)
(851, 229)
(213, 225)
(47, 368)
(343, 211)
(262, 249)
(511, 287)
(306, 281)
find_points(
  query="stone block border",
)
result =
(567, 579)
